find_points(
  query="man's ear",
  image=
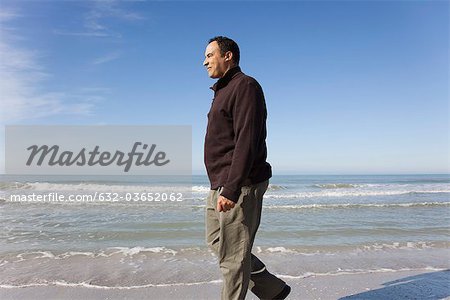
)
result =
(228, 56)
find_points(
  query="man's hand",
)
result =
(224, 204)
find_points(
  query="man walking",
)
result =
(235, 159)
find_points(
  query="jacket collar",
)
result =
(222, 82)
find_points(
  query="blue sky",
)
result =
(351, 87)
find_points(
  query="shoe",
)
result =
(284, 293)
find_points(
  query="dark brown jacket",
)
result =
(235, 142)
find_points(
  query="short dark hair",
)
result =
(225, 45)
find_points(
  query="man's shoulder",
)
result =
(244, 79)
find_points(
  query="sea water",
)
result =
(311, 225)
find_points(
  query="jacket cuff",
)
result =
(230, 194)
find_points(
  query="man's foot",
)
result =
(284, 293)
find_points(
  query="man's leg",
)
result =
(230, 235)
(212, 222)
(262, 283)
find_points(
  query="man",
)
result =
(235, 159)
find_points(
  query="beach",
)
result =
(396, 285)
(329, 237)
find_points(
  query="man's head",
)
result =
(221, 55)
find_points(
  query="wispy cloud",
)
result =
(87, 33)
(6, 15)
(106, 58)
(95, 21)
(22, 79)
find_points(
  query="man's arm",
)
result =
(248, 125)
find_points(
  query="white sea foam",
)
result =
(276, 187)
(398, 246)
(34, 255)
(419, 245)
(74, 253)
(88, 285)
(111, 251)
(201, 188)
(338, 272)
(275, 191)
(352, 193)
(279, 249)
(205, 189)
(12, 185)
(338, 185)
(136, 250)
(355, 205)
(132, 251)
(94, 187)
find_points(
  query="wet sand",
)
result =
(419, 284)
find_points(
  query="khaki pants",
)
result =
(230, 235)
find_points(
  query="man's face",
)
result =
(216, 65)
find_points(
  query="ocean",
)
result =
(142, 231)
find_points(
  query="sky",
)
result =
(351, 87)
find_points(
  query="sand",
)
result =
(419, 284)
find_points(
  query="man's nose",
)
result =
(205, 62)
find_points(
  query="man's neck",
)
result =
(228, 69)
